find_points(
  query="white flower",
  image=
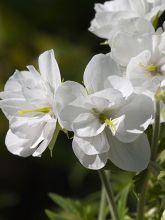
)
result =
(28, 103)
(105, 118)
(111, 15)
(146, 69)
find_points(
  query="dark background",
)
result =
(27, 28)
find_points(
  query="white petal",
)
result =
(66, 93)
(107, 24)
(68, 114)
(12, 84)
(11, 106)
(133, 156)
(115, 124)
(138, 115)
(136, 44)
(28, 128)
(99, 68)
(100, 104)
(94, 162)
(114, 97)
(136, 70)
(17, 145)
(93, 145)
(87, 125)
(49, 69)
(47, 134)
(121, 84)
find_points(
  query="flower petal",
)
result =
(18, 146)
(138, 115)
(49, 69)
(136, 44)
(133, 156)
(99, 68)
(66, 93)
(87, 125)
(94, 162)
(93, 145)
(47, 134)
(121, 84)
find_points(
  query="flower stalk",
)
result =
(108, 188)
(102, 215)
(154, 149)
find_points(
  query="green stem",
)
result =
(102, 205)
(54, 139)
(142, 198)
(154, 149)
(156, 131)
(106, 183)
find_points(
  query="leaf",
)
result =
(53, 216)
(122, 201)
(163, 216)
(139, 181)
(161, 175)
(155, 21)
(72, 209)
(54, 139)
(67, 204)
(161, 157)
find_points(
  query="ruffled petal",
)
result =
(121, 84)
(93, 145)
(138, 115)
(49, 69)
(94, 162)
(99, 68)
(87, 125)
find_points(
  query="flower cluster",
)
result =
(110, 113)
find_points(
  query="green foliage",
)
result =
(163, 216)
(54, 139)
(139, 181)
(70, 209)
(155, 21)
(122, 202)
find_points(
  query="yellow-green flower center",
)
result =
(108, 121)
(152, 68)
(39, 110)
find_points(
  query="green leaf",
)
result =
(161, 157)
(139, 181)
(163, 216)
(122, 202)
(67, 204)
(54, 139)
(53, 216)
(155, 21)
(161, 175)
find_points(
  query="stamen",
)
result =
(152, 68)
(39, 110)
(108, 121)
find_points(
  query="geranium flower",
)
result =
(111, 16)
(144, 61)
(105, 118)
(28, 103)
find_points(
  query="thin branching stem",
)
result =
(154, 149)
(108, 188)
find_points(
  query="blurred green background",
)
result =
(27, 28)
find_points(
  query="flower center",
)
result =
(103, 118)
(39, 110)
(152, 68)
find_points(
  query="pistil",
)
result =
(39, 110)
